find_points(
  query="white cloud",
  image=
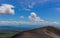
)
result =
(6, 9)
(34, 17)
(35, 2)
(22, 17)
(58, 9)
(26, 9)
(31, 5)
(43, 1)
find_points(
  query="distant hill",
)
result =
(12, 28)
(17, 28)
(44, 32)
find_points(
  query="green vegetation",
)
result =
(7, 34)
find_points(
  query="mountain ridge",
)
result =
(43, 32)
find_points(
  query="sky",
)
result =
(46, 12)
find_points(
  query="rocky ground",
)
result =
(44, 32)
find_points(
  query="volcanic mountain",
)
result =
(43, 32)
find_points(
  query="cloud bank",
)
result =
(28, 23)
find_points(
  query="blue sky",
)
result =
(47, 10)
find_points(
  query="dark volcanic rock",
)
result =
(45, 32)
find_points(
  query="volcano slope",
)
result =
(44, 32)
